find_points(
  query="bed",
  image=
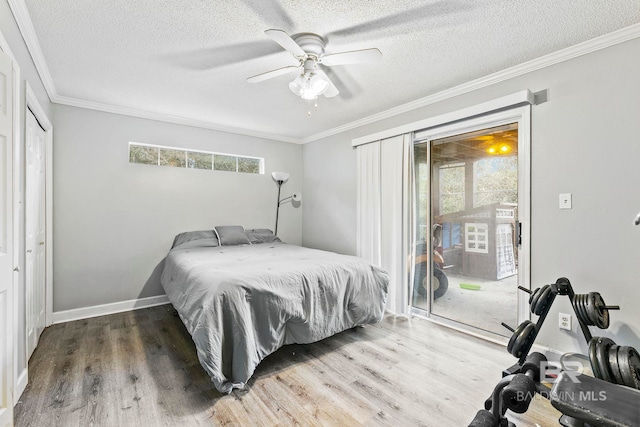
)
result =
(243, 294)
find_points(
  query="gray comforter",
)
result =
(242, 303)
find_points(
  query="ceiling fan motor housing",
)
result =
(311, 43)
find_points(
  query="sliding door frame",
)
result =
(522, 116)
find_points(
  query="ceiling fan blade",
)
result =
(408, 21)
(352, 57)
(271, 74)
(284, 40)
(332, 90)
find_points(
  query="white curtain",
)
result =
(368, 205)
(385, 213)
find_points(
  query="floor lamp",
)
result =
(280, 178)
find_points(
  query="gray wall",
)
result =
(584, 141)
(29, 74)
(114, 221)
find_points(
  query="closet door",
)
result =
(6, 242)
(35, 259)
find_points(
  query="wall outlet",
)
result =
(565, 201)
(564, 321)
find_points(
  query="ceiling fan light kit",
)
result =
(308, 49)
(309, 85)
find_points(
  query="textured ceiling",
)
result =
(191, 58)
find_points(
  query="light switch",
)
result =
(565, 201)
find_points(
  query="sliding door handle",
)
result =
(519, 232)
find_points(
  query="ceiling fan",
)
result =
(308, 49)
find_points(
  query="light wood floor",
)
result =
(140, 369)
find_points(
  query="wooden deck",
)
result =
(140, 368)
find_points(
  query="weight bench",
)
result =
(587, 401)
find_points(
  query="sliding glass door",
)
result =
(468, 253)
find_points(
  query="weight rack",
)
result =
(617, 365)
(590, 310)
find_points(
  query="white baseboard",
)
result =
(23, 378)
(104, 309)
(394, 314)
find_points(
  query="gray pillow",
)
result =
(194, 239)
(230, 235)
(262, 235)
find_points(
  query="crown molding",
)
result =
(144, 114)
(21, 14)
(619, 36)
(25, 25)
(23, 19)
(523, 97)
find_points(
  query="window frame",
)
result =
(186, 151)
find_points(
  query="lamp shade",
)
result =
(309, 86)
(280, 176)
(298, 85)
(296, 197)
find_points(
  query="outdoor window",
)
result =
(495, 180)
(452, 188)
(156, 155)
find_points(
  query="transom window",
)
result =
(158, 155)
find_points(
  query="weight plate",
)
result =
(543, 300)
(515, 335)
(601, 313)
(579, 309)
(629, 363)
(590, 309)
(533, 294)
(602, 354)
(585, 313)
(634, 364)
(523, 339)
(593, 358)
(623, 364)
(574, 303)
(613, 364)
(585, 306)
(534, 299)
